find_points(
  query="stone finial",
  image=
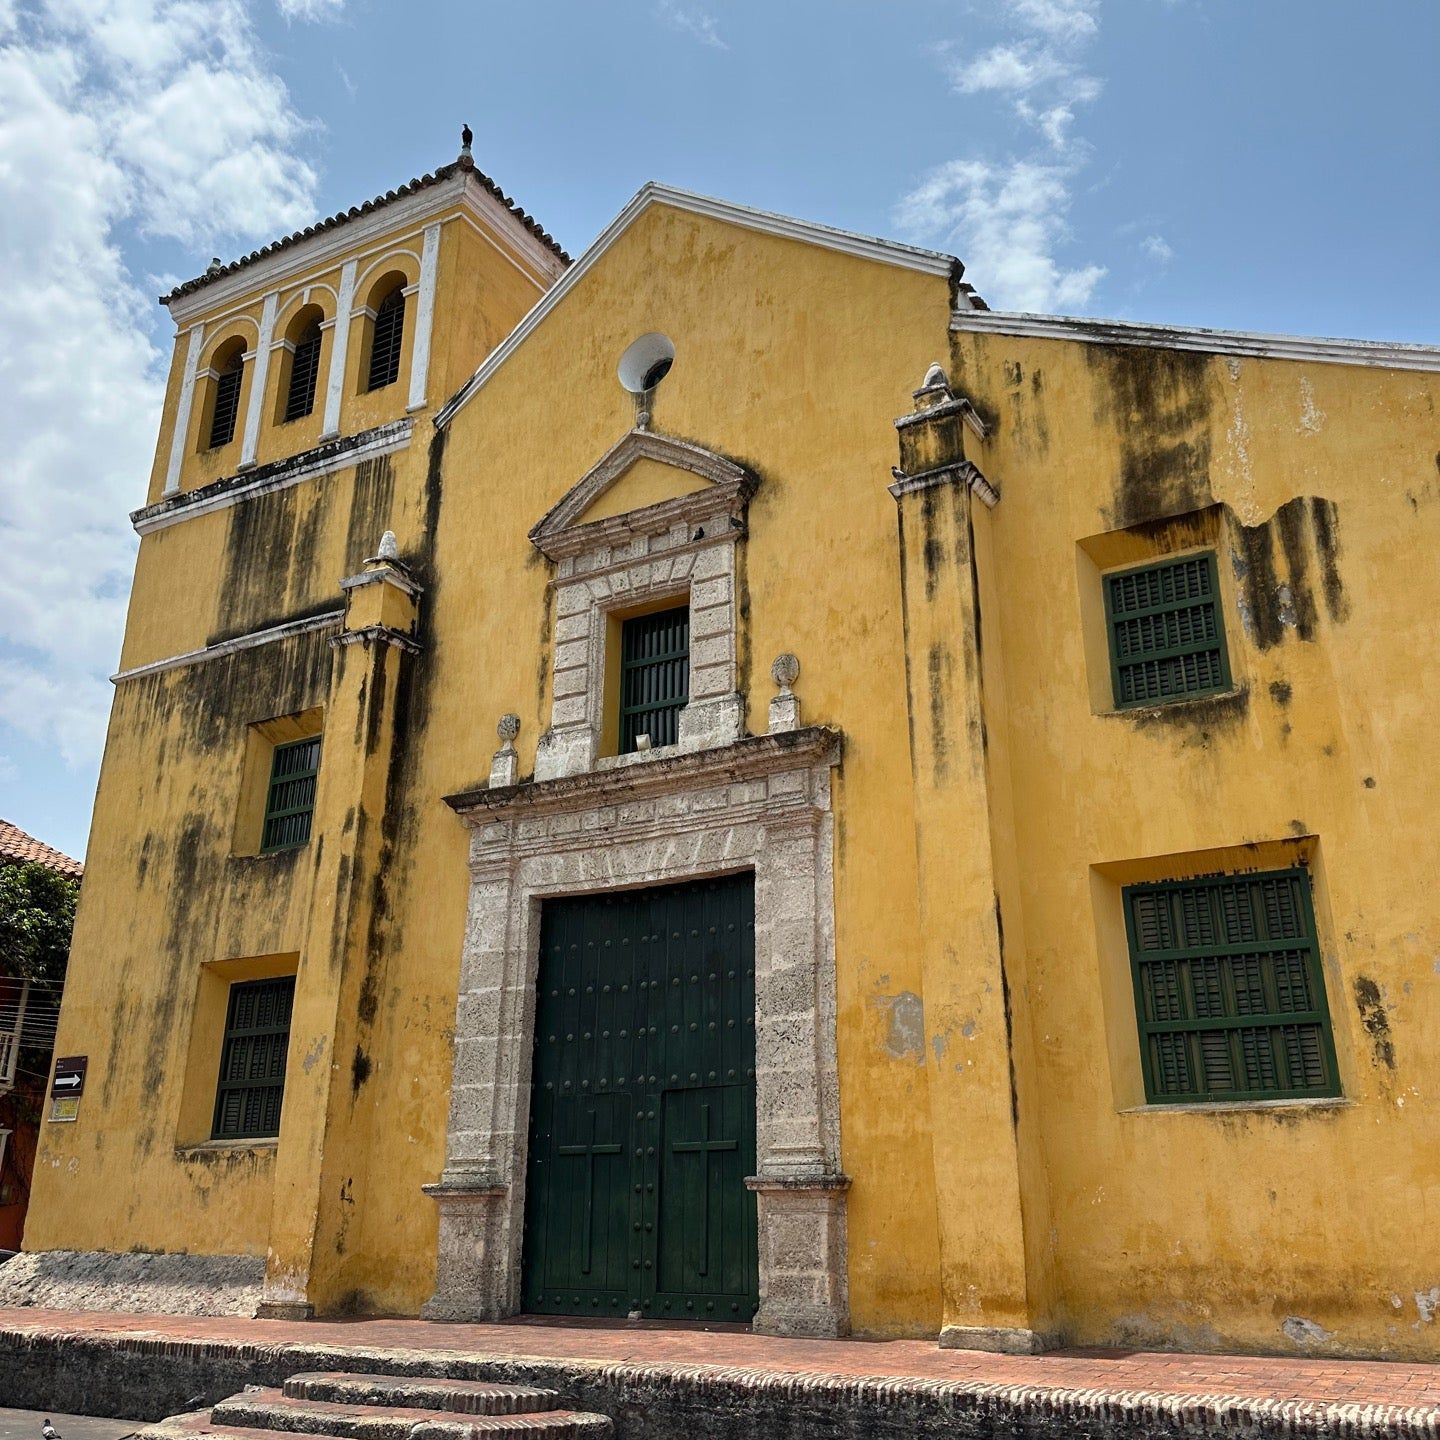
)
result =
(505, 766)
(785, 707)
(389, 548)
(214, 267)
(934, 388)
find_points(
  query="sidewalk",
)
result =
(1109, 1391)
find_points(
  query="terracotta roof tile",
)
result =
(422, 182)
(16, 845)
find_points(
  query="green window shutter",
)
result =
(252, 1062)
(654, 676)
(1229, 990)
(1166, 632)
(290, 800)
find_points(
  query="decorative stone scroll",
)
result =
(761, 804)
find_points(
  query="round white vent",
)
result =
(646, 362)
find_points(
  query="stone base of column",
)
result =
(804, 1288)
(472, 1270)
(996, 1339)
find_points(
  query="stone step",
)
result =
(272, 1410)
(421, 1392)
(198, 1426)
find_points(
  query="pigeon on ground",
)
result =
(48, 1431)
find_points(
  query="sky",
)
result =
(1266, 165)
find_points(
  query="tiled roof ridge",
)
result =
(18, 846)
(411, 187)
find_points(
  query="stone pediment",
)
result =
(647, 484)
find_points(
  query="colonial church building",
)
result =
(723, 780)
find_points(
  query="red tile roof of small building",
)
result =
(17, 846)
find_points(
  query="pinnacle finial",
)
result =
(389, 548)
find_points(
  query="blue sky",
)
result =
(1269, 166)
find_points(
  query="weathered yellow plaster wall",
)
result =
(1288, 1227)
(1243, 1227)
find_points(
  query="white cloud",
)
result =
(161, 115)
(310, 9)
(689, 18)
(1003, 68)
(1157, 248)
(1007, 221)
(1066, 20)
(1008, 217)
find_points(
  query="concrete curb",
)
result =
(147, 1377)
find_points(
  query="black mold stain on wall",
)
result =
(1376, 1020)
(1158, 403)
(1304, 534)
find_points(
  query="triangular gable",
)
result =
(885, 252)
(565, 531)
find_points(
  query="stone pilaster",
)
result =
(322, 1159)
(969, 998)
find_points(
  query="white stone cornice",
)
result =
(268, 636)
(1371, 353)
(279, 475)
(747, 758)
(965, 473)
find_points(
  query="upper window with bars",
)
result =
(227, 399)
(304, 372)
(1166, 632)
(1229, 990)
(387, 336)
(290, 798)
(252, 1059)
(654, 678)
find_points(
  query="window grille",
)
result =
(304, 370)
(290, 800)
(654, 676)
(386, 339)
(1229, 990)
(227, 402)
(1167, 637)
(252, 1060)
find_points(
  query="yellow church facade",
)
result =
(724, 780)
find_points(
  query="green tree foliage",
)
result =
(37, 913)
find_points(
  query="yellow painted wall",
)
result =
(1136, 1225)
(1181, 1226)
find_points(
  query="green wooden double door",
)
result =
(642, 1114)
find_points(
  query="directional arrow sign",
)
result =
(69, 1076)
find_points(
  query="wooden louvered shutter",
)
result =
(290, 799)
(1229, 990)
(1166, 632)
(654, 676)
(252, 1062)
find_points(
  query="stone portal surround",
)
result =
(761, 804)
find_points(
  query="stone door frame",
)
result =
(759, 805)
